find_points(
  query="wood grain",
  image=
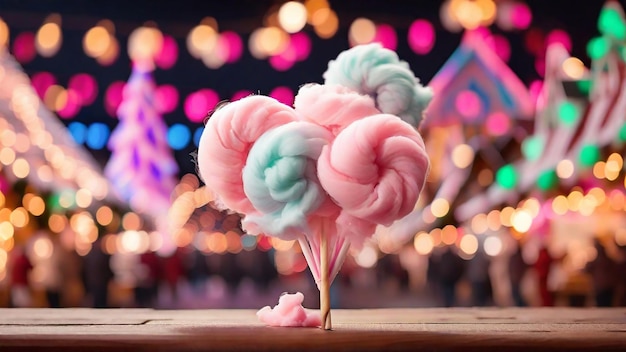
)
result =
(430, 329)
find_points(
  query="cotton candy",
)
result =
(373, 70)
(289, 313)
(333, 106)
(227, 138)
(375, 169)
(280, 179)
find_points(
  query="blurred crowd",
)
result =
(189, 278)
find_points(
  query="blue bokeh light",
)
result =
(178, 136)
(78, 130)
(97, 135)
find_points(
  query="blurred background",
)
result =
(102, 105)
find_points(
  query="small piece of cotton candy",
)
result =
(290, 313)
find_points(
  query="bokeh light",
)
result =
(507, 176)
(232, 43)
(199, 104)
(362, 31)
(78, 131)
(166, 98)
(283, 94)
(301, 44)
(113, 97)
(168, 55)
(41, 81)
(468, 104)
(97, 135)
(573, 68)
(49, 36)
(498, 124)
(421, 36)
(386, 35)
(96, 41)
(325, 22)
(201, 39)
(292, 16)
(462, 156)
(144, 43)
(86, 86)
(565, 169)
(24, 47)
(423, 243)
(521, 16)
(178, 136)
(469, 244)
(4, 33)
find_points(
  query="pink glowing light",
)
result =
(167, 57)
(502, 47)
(521, 15)
(283, 95)
(166, 98)
(232, 41)
(41, 81)
(113, 97)
(301, 44)
(561, 37)
(540, 66)
(85, 86)
(283, 61)
(240, 94)
(498, 124)
(468, 105)
(24, 47)
(199, 104)
(386, 35)
(535, 93)
(72, 106)
(421, 36)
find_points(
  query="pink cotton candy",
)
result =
(333, 107)
(375, 169)
(290, 313)
(226, 142)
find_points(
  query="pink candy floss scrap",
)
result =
(289, 313)
(226, 141)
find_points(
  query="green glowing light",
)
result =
(568, 113)
(546, 180)
(589, 154)
(597, 47)
(622, 133)
(532, 147)
(507, 176)
(611, 23)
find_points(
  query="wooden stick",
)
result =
(325, 285)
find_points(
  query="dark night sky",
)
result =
(178, 17)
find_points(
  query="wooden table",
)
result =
(434, 329)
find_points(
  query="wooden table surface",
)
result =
(429, 329)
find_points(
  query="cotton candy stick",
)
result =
(325, 282)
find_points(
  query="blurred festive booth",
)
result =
(100, 148)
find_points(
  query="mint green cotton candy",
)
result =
(378, 72)
(280, 178)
